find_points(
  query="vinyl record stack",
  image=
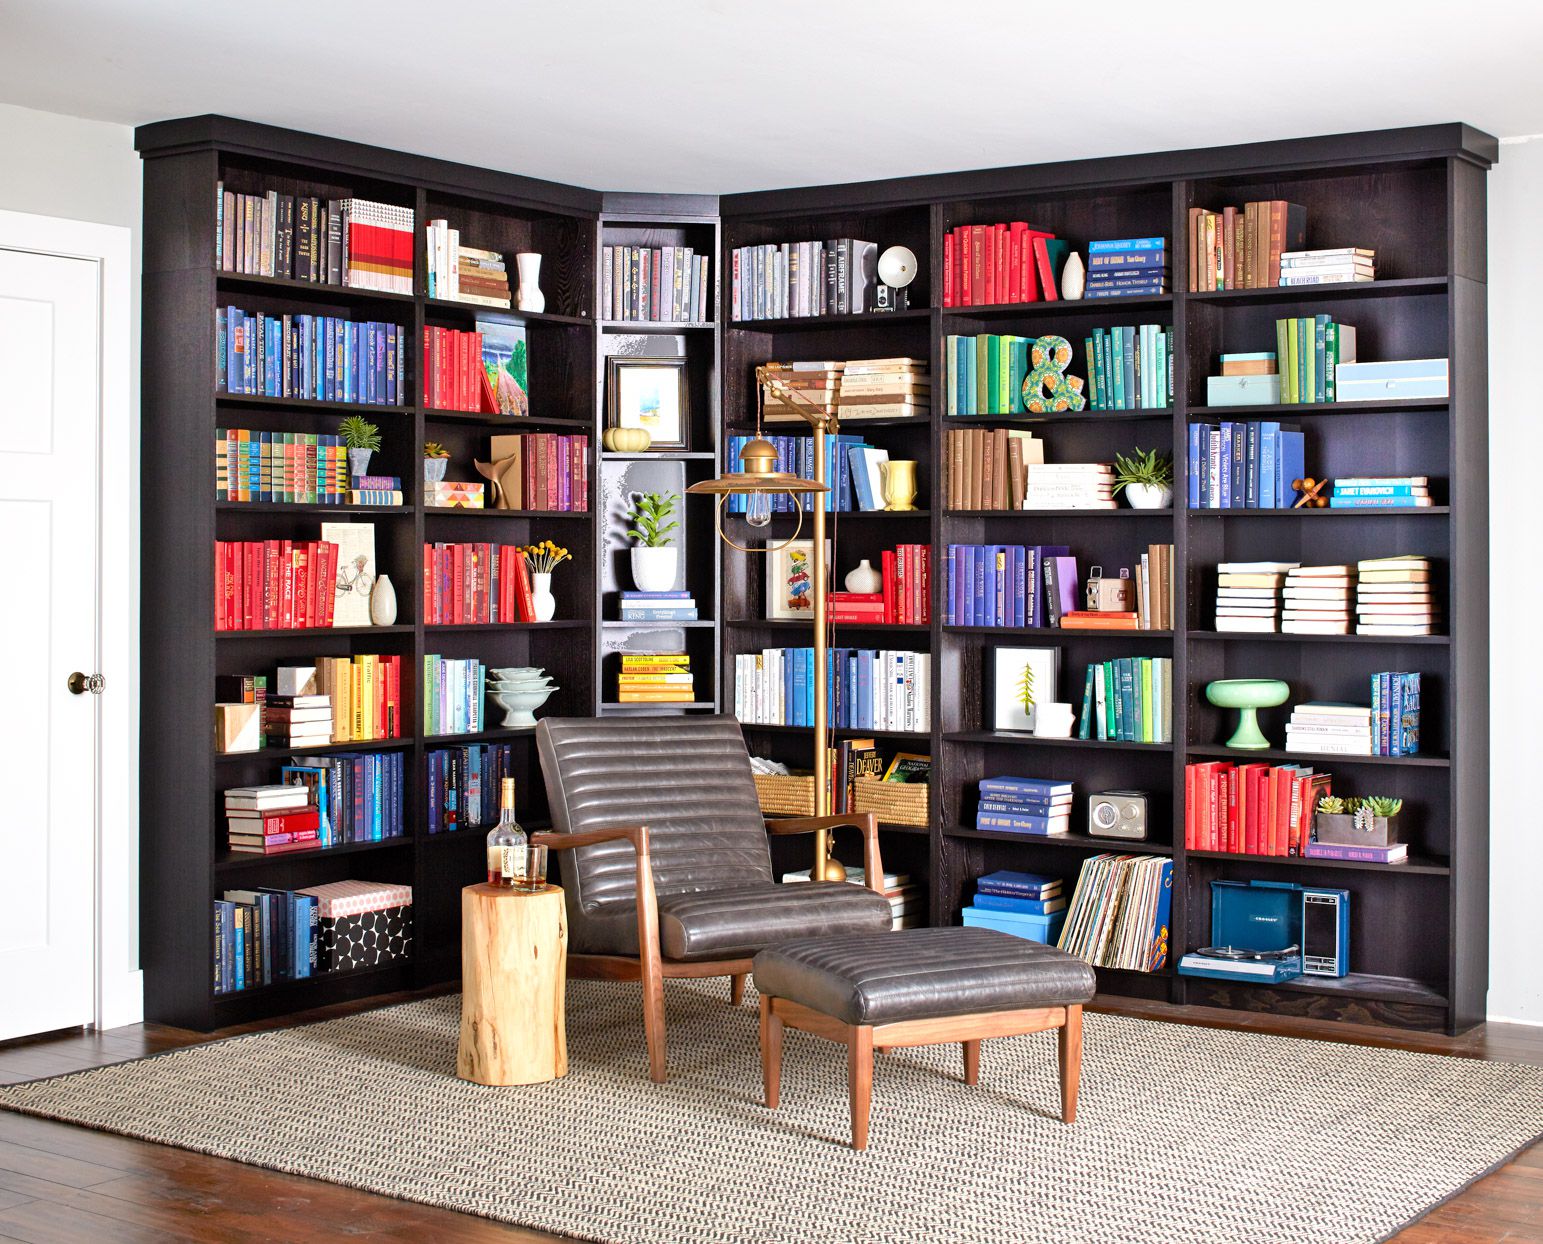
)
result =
(1318, 600)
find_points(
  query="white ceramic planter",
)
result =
(529, 296)
(1148, 496)
(653, 570)
(541, 597)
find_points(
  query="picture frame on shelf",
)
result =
(652, 394)
(357, 571)
(1042, 665)
(506, 360)
(790, 580)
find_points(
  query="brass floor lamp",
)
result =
(759, 481)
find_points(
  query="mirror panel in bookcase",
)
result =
(699, 643)
(621, 481)
(701, 376)
(1398, 210)
(565, 244)
(1068, 439)
(1407, 326)
(1077, 216)
(560, 361)
(906, 226)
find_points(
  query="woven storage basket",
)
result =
(899, 803)
(785, 794)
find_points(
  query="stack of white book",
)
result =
(1393, 597)
(1248, 595)
(1329, 267)
(1335, 729)
(885, 389)
(1069, 486)
(1317, 600)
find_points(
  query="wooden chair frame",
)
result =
(650, 966)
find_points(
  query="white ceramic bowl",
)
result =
(520, 707)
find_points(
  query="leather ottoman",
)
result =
(919, 987)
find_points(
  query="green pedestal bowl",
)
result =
(1248, 696)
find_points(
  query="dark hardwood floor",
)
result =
(62, 1185)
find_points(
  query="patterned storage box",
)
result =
(365, 939)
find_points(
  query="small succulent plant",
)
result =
(433, 449)
(1331, 805)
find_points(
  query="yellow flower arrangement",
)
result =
(545, 557)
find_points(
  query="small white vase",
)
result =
(653, 570)
(529, 296)
(1053, 721)
(1074, 277)
(544, 602)
(383, 601)
(1148, 496)
(864, 579)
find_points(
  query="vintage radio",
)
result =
(1118, 814)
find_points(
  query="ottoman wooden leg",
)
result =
(860, 1081)
(736, 988)
(771, 1052)
(972, 1062)
(1070, 1057)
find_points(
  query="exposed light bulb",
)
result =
(758, 509)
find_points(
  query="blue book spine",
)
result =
(1159, 944)
(1002, 585)
(979, 613)
(1026, 785)
(1114, 246)
(1023, 906)
(1395, 707)
(1018, 557)
(1192, 468)
(1251, 465)
(1134, 263)
(1224, 476)
(1015, 824)
(1126, 287)
(859, 473)
(1032, 803)
(1368, 503)
(948, 585)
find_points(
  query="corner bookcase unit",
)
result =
(1419, 931)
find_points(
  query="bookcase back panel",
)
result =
(701, 376)
(1327, 538)
(564, 242)
(247, 174)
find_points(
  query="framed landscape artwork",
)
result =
(650, 394)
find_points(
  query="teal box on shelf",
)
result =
(1258, 916)
(1398, 380)
(1242, 390)
(1034, 928)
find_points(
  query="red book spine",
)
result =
(989, 259)
(249, 567)
(458, 584)
(303, 586)
(581, 450)
(427, 380)
(329, 594)
(1189, 807)
(430, 604)
(527, 601)
(393, 697)
(1214, 828)
(926, 582)
(1045, 269)
(948, 270)
(1282, 812)
(1004, 291)
(297, 822)
(977, 266)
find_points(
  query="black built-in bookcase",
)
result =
(1419, 931)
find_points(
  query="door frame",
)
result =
(118, 987)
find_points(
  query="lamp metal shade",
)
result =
(760, 474)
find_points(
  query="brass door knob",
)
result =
(79, 683)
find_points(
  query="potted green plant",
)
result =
(362, 438)
(435, 459)
(655, 561)
(1357, 822)
(1146, 478)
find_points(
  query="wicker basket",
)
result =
(785, 794)
(898, 803)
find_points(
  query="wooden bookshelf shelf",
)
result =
(1209, 414)
(1009, 738)
(1246, 637)
(321, 749)
(301, 507)
(655, 326)
(506, 314)
(1326, 293)
(1080, 842)
(1417, 866)
(508, 423)
(1054, 633)
(1060, 307)
(838, 730)
(1123, 512)
(237, 861)
(802, 625)
(835, 323)
(369, 410)
(1324, 759)
(1069, 419)
(437, 511)
(305, 289)
(557, 624)
(316, 632)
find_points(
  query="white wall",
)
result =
(62, 166)
(1516, 595)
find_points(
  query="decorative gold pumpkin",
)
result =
(627, 440)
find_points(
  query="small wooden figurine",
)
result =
(1311, 490)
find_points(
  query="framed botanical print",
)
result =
(648, 393)
(1025, 677)
(790, 580)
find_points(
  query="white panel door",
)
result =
(49, 423)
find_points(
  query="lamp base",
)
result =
(829, 869)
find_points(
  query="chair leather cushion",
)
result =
(921, 974)
(735, 923)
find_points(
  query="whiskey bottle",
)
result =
(506, 843)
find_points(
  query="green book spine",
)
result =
(1320, 343)
(1093, 389)
(993, 373)
(979, 388)
(1331, 359)
(1112, 699)
(1304, 337)
(1005, 376)
(967, 397)
(1085, 722)
(1101, 366)
(1282, 360)
(1117, 366)
(1144, 690)
(951, 374)
(1168, 367)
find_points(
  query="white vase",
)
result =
(1148, 496)
(864, 579)
(653, 570)
(529, 296)
(1074, 277)
(383, 601)
(544, 602)
(1053, 721)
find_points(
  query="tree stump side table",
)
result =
(514, 958)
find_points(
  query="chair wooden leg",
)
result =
(653, 1020)
(1069, 1050)
(972, 1062)
(737, 988)
(860, 1081)
(771, 1052)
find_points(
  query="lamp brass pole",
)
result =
(759, 475)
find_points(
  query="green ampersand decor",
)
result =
(1047, 387)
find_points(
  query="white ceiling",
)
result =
(717, 96)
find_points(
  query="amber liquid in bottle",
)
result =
(506, 843)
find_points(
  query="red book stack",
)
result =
(271, 820)
(1250, 809)
(273, 585)
(453, 374)
(476, 583)
(904, 599)
(986, 264)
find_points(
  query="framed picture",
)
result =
(649, 394)
(790, 580)
(1024, 677)
(356, 571)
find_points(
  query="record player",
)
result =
(1256, 934)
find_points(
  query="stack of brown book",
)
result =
(895, 388)
(987, 467)
(799, 388)
(1393, 597)
(1317, 600)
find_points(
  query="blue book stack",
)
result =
(658, 607)
(1025, 905)
(1017, 805)
(1126, 267)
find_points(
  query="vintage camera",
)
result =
(1114, 595)
(1118, 814)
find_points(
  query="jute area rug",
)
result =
(1184, 1134)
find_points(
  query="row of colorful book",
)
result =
(984, 374)
(854, 469)
(454, 375)
(298, 468)
(1253, 808)
(988, 468)
(359, 796)
(1128, 700)
(1027, 905)
(1244, 465)
(1018, 805)
(1038, 585)
(459, 273)
(1120, 911)
(1243, 247)
(1006, 262)
(655, 678)
(658, 607)
(870, 689)
(352, 242)
(542, 471)
(309, 357)
(1389, 726)
(856, 389)
(476, 584)
(1334, 266)
(1308, 350)
(787, 280)
(273, 585)
(659, 284)
(904, 597)
(1381, 492)
(1130, 368)
(464, 784)
(454, 691)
